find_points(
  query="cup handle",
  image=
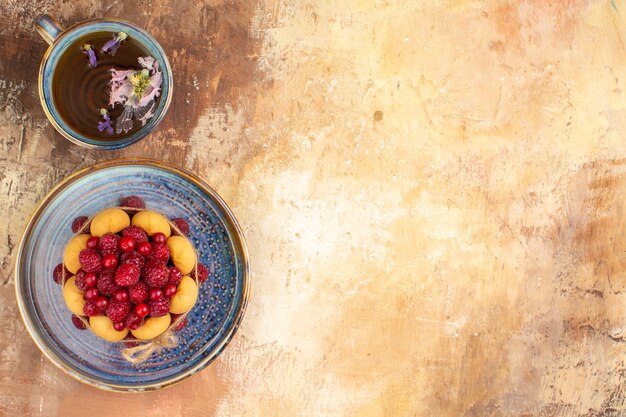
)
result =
(48, 28)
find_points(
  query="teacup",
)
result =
(60, 40)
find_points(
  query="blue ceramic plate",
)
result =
(214, 232)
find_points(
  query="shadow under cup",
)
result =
(54, 61)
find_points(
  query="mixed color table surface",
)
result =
(433, 196)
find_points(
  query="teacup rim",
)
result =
(120, 143)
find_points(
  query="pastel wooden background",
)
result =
(433, 194)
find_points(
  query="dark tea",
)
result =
(81, 91)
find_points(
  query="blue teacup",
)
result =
(60, 39)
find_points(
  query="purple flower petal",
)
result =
(91, 54)
(106, 125)
(111, 45)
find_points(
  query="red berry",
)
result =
(109, 244)
(159, 307)
(78, 323)
(175, 276)
(142, 310)
(182, 226)
(155, 294)
(101, 303)
(118, 310)
(91, 279)
(144, 248)
(78, 223)
(138, 293)
(127, 244)
(106, 282)
(159, 238)
(127, 275)
(132, 201)
(155, 274)
(90, 309)
(160, 252)
(121, 295)
(119, 326)
(90, 260)
(203, 273)
(92, 242)
(169, 290)
(91, 294)
(133, 321)
(133, 258)
(79, 280)
(180, 326)
(137, 233)
(109, 261)
(60, 274)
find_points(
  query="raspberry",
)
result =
(106, 283)
(118, 310)
(60, 274)
(159, 307)
(138, 292)
(160, 252)
(182, 226)
(133, 321)
(90, 260)
(132, 201)
(202, 273)
(109, 244)
(81, 281)
(78, 323)
(78, 223)
(127, 275)
(133, 258)
(155, 274)
(136, 233)
(91, 309)
(175, 276)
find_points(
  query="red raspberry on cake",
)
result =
(159, 307)
(133, 321)
(90, 260)
(133, 258)
(175, 276)
(106, 283)
(127, 275)
(85, 280)
(132, 201)
(160, 253)
(78, 223)
(203, 273)
(155, 274)
(109, 244)
(118, 310)
(182, 226)
(138, 293)
(91, 309)
(137, 233)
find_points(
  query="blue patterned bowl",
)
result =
(214, 232)
(60, 39)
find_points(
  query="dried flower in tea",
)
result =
(91, 54)
(106, 124)
(112, 45)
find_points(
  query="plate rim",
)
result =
(157, 164)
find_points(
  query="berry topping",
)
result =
(80, 280)
(133, 258)
(155, 274)
(60, 274)
(91, 294)
(109, 244)
(203, 273)
(92, 242)
(121, 295)
(132, 201)
(144, 248)
(138, 293)
(109, 261)
(160, 252)
(127, 244)
(91, 279)
(78, 223)
(106, 283)
(127, 275)
(119, 326)
(90, 309)
(101, 303)
(169, 290)
(118, 310)
(158, 238)
(78, 323)
(155, 293)
(136, 233)
(142, 310)
(182, 226)
(159, 307)
(133, 321)
(90, 260)
(175, 276)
